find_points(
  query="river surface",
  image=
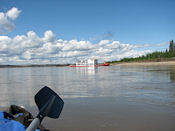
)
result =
(153, 84)
(117, 94)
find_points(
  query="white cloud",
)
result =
(13, 13)
(27, 55)
(5, 20)
(49, 36)
(5, 25)
(32, 49)
(77, 45)
(104, 42)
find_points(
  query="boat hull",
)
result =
(83, 66)
(106, 64)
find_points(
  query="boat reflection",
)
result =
(87, 70)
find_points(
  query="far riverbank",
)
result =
(145, 63)
(132, 63)
(37, 65)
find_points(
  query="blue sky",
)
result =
(135, 22)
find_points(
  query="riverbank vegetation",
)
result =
(154, 56)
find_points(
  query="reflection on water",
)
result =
(86, 70)
(170, 72)
(172, 75)
(152, 84)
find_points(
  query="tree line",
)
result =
(154, 56)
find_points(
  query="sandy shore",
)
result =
(170, 63)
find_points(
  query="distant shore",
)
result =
(144, 63)
(132, 63)
(46, 65)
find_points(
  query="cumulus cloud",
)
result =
(104, 42)
(6, 19)
(77, 45)
(32, 49)
(13, 13)
(49, 36)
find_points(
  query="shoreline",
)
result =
(23, 66)
(169, 62)
(145, 63)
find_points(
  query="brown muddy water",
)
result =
(115, 98)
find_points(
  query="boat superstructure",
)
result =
(86, 63)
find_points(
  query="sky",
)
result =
(64, 31)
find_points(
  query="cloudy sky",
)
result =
(63, 31)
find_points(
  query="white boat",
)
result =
(86, 63)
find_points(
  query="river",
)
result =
(136, 87)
